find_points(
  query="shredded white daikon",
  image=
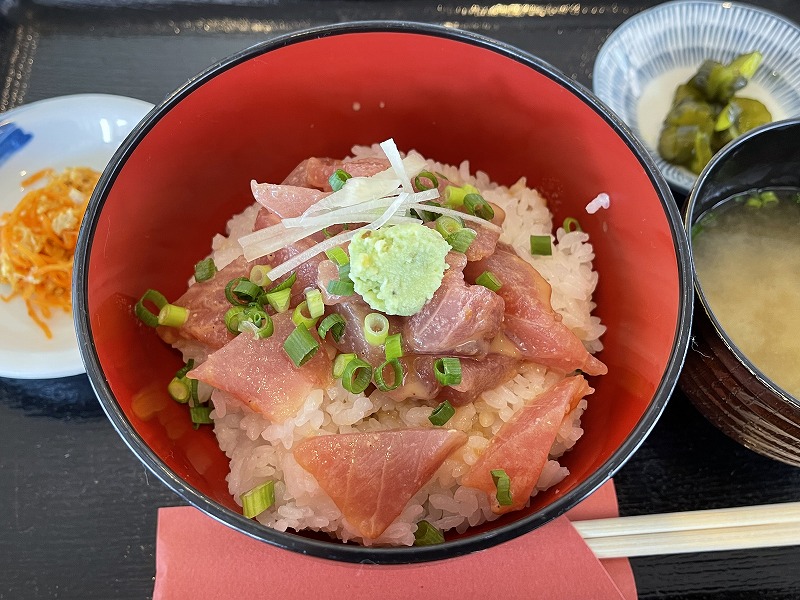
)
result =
(384, 198)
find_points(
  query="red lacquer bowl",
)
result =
(448, 94)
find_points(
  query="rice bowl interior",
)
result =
(191, 161)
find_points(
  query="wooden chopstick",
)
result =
(762, 526)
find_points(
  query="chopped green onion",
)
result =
(768, 197)
(259, 274)
(447, 225)
(571, 224)
(454, 195)
(335, 324)
(376, 329)
(421, 186)
(285, 284)
(232, 298)
(257, 322)
(279, 300)
(180, 389)
(204, 270)
(299, 316)
(393, 346)
(476, 205)
(356, 376)
(300, 345)
(195, 400)
(185, 368)
(425, 215)
(338, 179)
(447, 371)
(340, 362)
(201, 415)
(259, 499)
(489, 280)
(503, 484)
(541, 245)
(172, 315)
(337, 287)
(145, 316)
(427, 535)
(233, 317)
(442, 414)
(247, 290)
(337, 255)
(461, 239)
(344, 272)
(753, 202)
(316, 307)
(397, 369)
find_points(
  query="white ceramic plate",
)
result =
(643, 61)
(79, 130)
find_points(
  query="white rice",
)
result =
(260, 450)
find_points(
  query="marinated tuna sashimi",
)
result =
(316, 172)
(206, 305)
(521, 447)
(486, 240)
(285, 201)
(372, 476)
(259, 373)
(477, 376)
(460, 319)
(382, 352)
(354, 311)
(530, 321)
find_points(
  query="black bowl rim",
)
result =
(336, 550)
(688, 206)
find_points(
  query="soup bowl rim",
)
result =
(689, 221)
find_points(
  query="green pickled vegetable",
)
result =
(705, 113)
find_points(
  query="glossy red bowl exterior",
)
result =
(448, 94)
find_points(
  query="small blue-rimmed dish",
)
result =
(644, 60)
(80, 130)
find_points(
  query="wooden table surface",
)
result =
(79, 510)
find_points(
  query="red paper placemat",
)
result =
(198, 558)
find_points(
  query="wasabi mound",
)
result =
(397, 269)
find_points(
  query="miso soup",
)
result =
(747, 258)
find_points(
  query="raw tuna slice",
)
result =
(315, 172)
(354, 310)
(530, 321)
(372, 476)
(306, 273)
(261, 374)
(310, 173)
(477, 376)
(522, 445)
(459, 320)
(207, 306)
(486, 241)
(285, 201)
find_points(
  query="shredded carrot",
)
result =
(37, 240)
